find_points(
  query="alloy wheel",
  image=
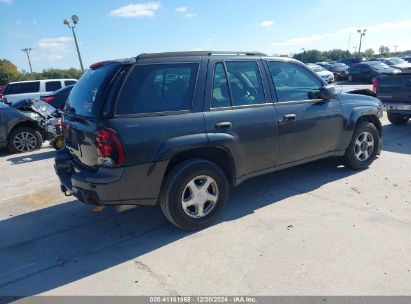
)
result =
(200, 196)
(364, 146)
(25, 142)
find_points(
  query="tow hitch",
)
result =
(65, 191)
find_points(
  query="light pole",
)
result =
(355, 49)
(27, 51)
(362, 34)
(302, 54)
(395, 48)
(75, 19)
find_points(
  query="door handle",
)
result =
(223, 125)
(290, 117)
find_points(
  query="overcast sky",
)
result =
(111, 29)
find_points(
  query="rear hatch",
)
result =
(83, 111)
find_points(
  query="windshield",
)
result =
(377, 65)
(340, 66)
(316, 68)
(395, 61)
(86, 96)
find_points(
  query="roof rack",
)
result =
(196, 53)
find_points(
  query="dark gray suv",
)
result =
(179, 129)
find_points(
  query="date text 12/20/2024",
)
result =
(203, 299)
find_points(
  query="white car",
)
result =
(33, 89)
(327, 76)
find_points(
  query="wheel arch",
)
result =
(217, 155)
(26, 123)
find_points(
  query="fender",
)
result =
(358, 112)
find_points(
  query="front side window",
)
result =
(240, 84)
(52, 86)
(158, 88)
(293, 82)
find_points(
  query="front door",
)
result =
(239, 114)
(308, 125)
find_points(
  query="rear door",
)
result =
(308, 125)
(239, 114)
(159, 109)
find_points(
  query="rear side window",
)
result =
(52, 86)
(22, 88)
(240, 85)
(158, 88)
(86, 96)
(69, 82)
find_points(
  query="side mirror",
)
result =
(327, 92)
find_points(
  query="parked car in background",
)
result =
(58, 98)
(408, 59)
(33, 89)
(164, 132)
(26, 124)
(397, 63)
(352, 61)
(369, 71)
(340, 70)
(395, 93)
(1, 91)
(325, 65)
(326, 75)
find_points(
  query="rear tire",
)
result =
(363, 147)
(397, 119)
(194, 194)
(24, 139)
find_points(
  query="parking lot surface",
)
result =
(316, 229)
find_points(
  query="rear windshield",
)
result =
(86, 96)
(22, 88)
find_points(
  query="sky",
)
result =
(110, 29)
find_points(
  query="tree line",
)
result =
(338, 54)
(10, 73)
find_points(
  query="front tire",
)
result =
(397, 119)
(194, 194)
(24, 139)
(363, 147)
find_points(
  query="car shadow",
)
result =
(51, 247)
(32, 157)
(397, 138)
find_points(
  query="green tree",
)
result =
(369, 53)
(337, 54)
(8, 72)
(310, 56)
(384, 50)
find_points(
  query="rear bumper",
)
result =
(132, 185)
(397, 107)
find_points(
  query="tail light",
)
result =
(375, 85)
(110, 151)
(48, 99)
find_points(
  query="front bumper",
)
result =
(133, 185)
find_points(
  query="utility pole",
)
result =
(395, 48)
(355, 49)
(27, 51)
(302, 54)
(75, 20)
(362, 34)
